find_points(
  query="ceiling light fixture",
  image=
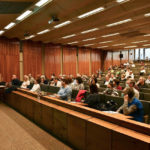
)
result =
(73, 42)
(69, 36)
(44, 31)
(62, 24)
(89, 39)
(147, 35)
(105, 42)
(9, 25)
(24, 15)
(88, 44)
(140, 41)
(102, 46)
(147, 15)
(108, 35)
(146, 45)
(42, 2)
(91, 30)
(1, 32)
(122, 1)
(95, 11)
(130, 46)
(119, 22)
(29, 37)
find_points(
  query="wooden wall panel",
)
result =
(32, 57)
(52, 60)
(69, 60)
(84, 61)
(95, 60)
(9, 58)
(107, 60)
(125, 57)
(116, 58)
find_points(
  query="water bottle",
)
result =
(69, 98)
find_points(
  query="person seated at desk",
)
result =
(116, 84)
(142, 71)
(36, 86)
(132, 106)
(141, 83)
(78, 84)
(26, 82)
(65, 91)
(148, 80)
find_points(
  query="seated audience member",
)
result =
(127, 73)
(78, 85)
(26, 82)
(36, 86)
(65, 90)
(31, 79)
(142, 71)
(141, 83)
(57, 82)
(93, 86)
(131, 83)
(107, 79)
(112, 77)
(148, 80)
(123, 77)
(132, 106)
(131, 75)
(116, 84)
(111, 90)
(44, 80)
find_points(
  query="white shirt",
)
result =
(35, 88)
(25, 84)
(58, 83)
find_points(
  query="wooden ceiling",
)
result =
(65, 10)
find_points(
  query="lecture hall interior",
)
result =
(75, 74)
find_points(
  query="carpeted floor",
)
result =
(18, 133)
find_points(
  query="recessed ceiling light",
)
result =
(62, 24)
(95, 11)
(119, 44)
(119, 22)
(146, 45)
(147, 35)
(89, 39)
(130, 46)
(24, 15)
(69, 36)
(73, 42)
(91, 30)
(140, 41)
(108, 35)
(105, 42)
(44, 31)
(89, 44)
(102, 46)
(10, 25)
(122, 1)
(29, 37)
(147, 15)
(1, 32)
(42, 2)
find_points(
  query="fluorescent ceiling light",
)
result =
(102, 46)
(73, 42)
(42, 2)
(105, 42)
(88, 44)
(140, 41)
(146, 45)
(119, 44)
(119, 22)
(122, 1)
(44, 31)
(1, 32)
(24, 15)
(10, 25)
(108, 35)
(130, 46)
(95, 11)
(147, 35)
(89, 39)
(69, 36)
(62, 24)
(91, 30)
(29, 37)
(147, 15)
